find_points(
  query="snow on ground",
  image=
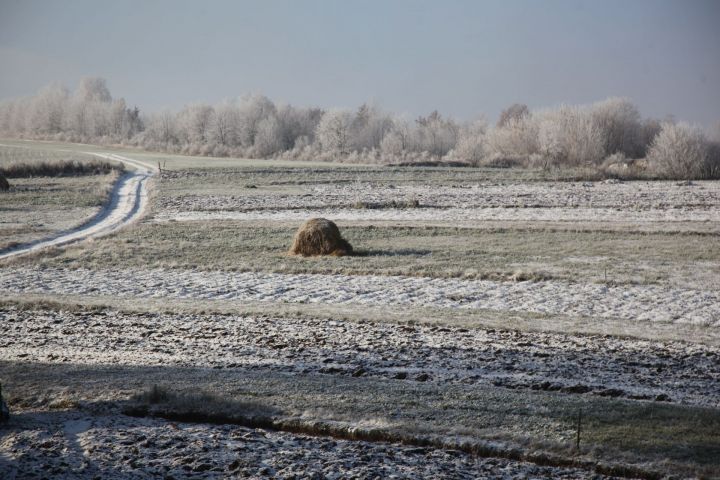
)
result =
(65, 445)
(463, 215)
(605, 366)
(560, 201)
(650, 303)
(630, 195)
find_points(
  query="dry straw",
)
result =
(319, 236)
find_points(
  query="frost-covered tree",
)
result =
(89, 109)
(619, 121)
(268, 140)
(252, 110)
(648, 131)
(225, 127)
(398, 139)
(472, 142)
(93, 89)
(296, 123)
(514, 112)
(369, 127)
(254, 125)
(47, 110)
(682, 151)
(435, 134)
(569, 135)
(333, 131)
(162, 129)
(517, 138)
(194, 123)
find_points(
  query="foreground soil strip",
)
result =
(479, 418)
(593, 365)
(108, 446)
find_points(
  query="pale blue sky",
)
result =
(464, 58)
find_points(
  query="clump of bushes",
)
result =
(681, 151)
(59, 168)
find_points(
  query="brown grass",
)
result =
(58, 168)
(319, 236)
(4, 185)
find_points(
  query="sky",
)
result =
(467, 59)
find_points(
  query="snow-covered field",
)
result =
(295, 341)
(597, 365)
(641, 202)
(633, 303)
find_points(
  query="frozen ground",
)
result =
(418, 379)
(649, 303)
(68, 445)
(605, 366)
(641, 202)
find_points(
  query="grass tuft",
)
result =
(59, 168)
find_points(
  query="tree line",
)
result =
(609, 135)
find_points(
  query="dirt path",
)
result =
(127, 203)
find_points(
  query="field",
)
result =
(40, 206)
(486, 314)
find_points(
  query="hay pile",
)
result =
(319, 236)
(4, 185)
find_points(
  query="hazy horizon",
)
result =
(465, 59)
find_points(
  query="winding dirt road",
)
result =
(127, 203)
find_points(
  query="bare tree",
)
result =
(48, 110)
(619, 121)
(514, 112)
(225, 127)
(194, 123)
(93, 89)
(252, 110)
(333, 131)
(268, 140)
(472, 142)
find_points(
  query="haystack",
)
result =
(4, 185)
(319, 236)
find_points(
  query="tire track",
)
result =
(127, 203)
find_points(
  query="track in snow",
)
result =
(128, 201)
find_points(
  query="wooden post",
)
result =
(579, 427)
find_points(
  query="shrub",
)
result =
(516, 138)
(471, 143)
(569, 135)
(681, 151)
